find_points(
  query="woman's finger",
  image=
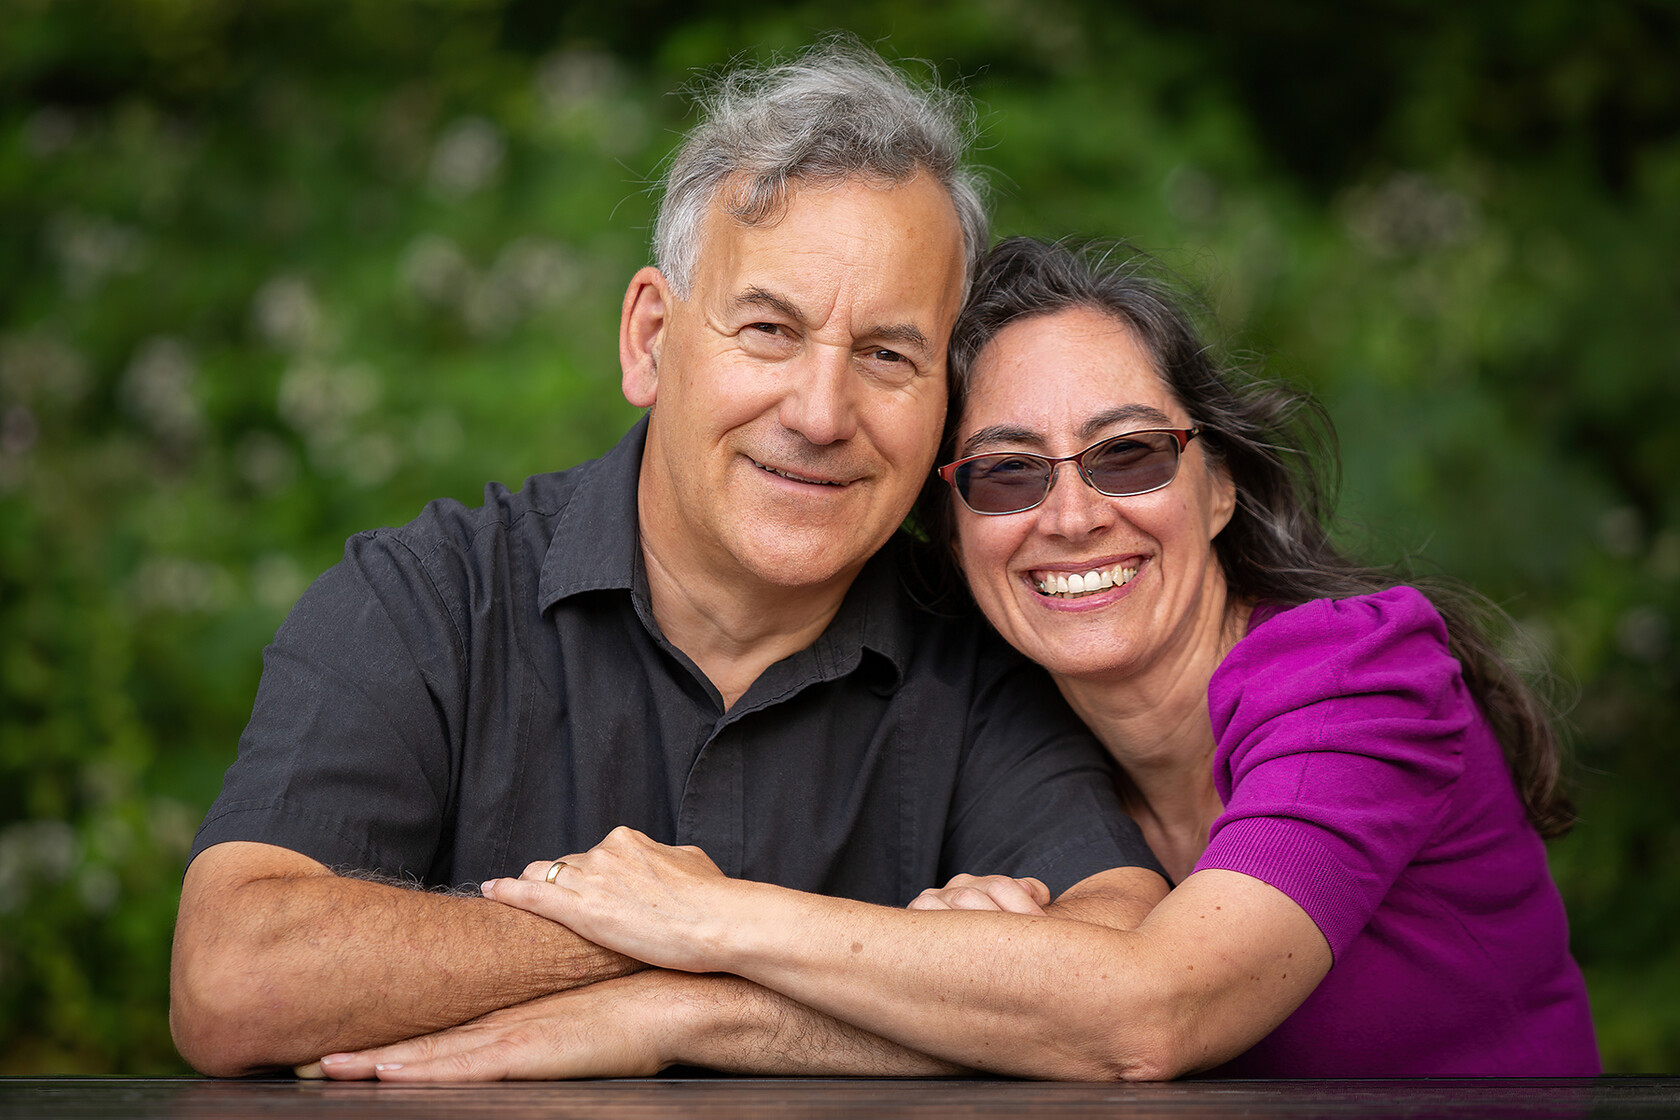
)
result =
(535, 896)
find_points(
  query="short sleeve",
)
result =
(1035, 795)
(1339, 726)
(347, 756)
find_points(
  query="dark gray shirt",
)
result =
(486, 687)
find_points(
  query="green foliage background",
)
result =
(275, 271)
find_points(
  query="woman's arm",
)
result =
(1211, 970)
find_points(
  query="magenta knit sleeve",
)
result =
(1339, 726)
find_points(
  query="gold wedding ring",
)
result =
(554, 870)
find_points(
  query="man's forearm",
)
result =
(277, 971)
(736, 1026)
(637, 1026)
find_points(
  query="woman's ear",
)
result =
(641, 334)
(1224, 503)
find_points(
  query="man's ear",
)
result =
(641, 334)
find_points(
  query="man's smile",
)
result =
(794, 477)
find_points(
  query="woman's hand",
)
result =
(664, 905)
(985, 892)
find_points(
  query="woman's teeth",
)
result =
(1071, 585)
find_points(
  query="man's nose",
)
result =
(1074, 508)
(820, 399)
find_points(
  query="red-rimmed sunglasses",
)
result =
(1121, 467)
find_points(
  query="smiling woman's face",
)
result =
(1053, 385)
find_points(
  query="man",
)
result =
(692, 636)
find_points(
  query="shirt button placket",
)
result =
(712, 815)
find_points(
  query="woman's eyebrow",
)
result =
(1000, 433)
(1142, 415)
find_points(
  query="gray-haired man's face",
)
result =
(801, 384)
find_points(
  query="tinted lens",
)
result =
(1003, 483)
(1132, 464)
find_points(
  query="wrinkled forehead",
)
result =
(763, 199)
(895, 246)
(746, 201)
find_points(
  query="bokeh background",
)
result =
(275, 271)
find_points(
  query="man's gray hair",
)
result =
(838, 111)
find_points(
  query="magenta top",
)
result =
(1360, 778)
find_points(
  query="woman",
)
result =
(1347, 785)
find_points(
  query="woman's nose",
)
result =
(1073, 507)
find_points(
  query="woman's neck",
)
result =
(1156, 725)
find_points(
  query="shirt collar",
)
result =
(596, 546)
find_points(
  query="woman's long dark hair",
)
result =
(1280, 449)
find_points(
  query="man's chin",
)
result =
(793, 557)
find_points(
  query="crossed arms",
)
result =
(278, 962)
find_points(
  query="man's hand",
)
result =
(611, 1029)
(985, 892)
(635, 1027)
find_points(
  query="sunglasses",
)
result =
(1120, 467)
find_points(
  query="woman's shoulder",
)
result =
(1398, 621)
(1396, 610)
(1391, 642)
(1364, 689)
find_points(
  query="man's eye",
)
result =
(766, 328)
(888, 356)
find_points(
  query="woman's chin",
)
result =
(1076, 645)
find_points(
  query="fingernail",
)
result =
(335, 1059)
(310, 1072)
(487, 886)
(387, 1067)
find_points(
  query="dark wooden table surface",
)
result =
(753, 1097)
